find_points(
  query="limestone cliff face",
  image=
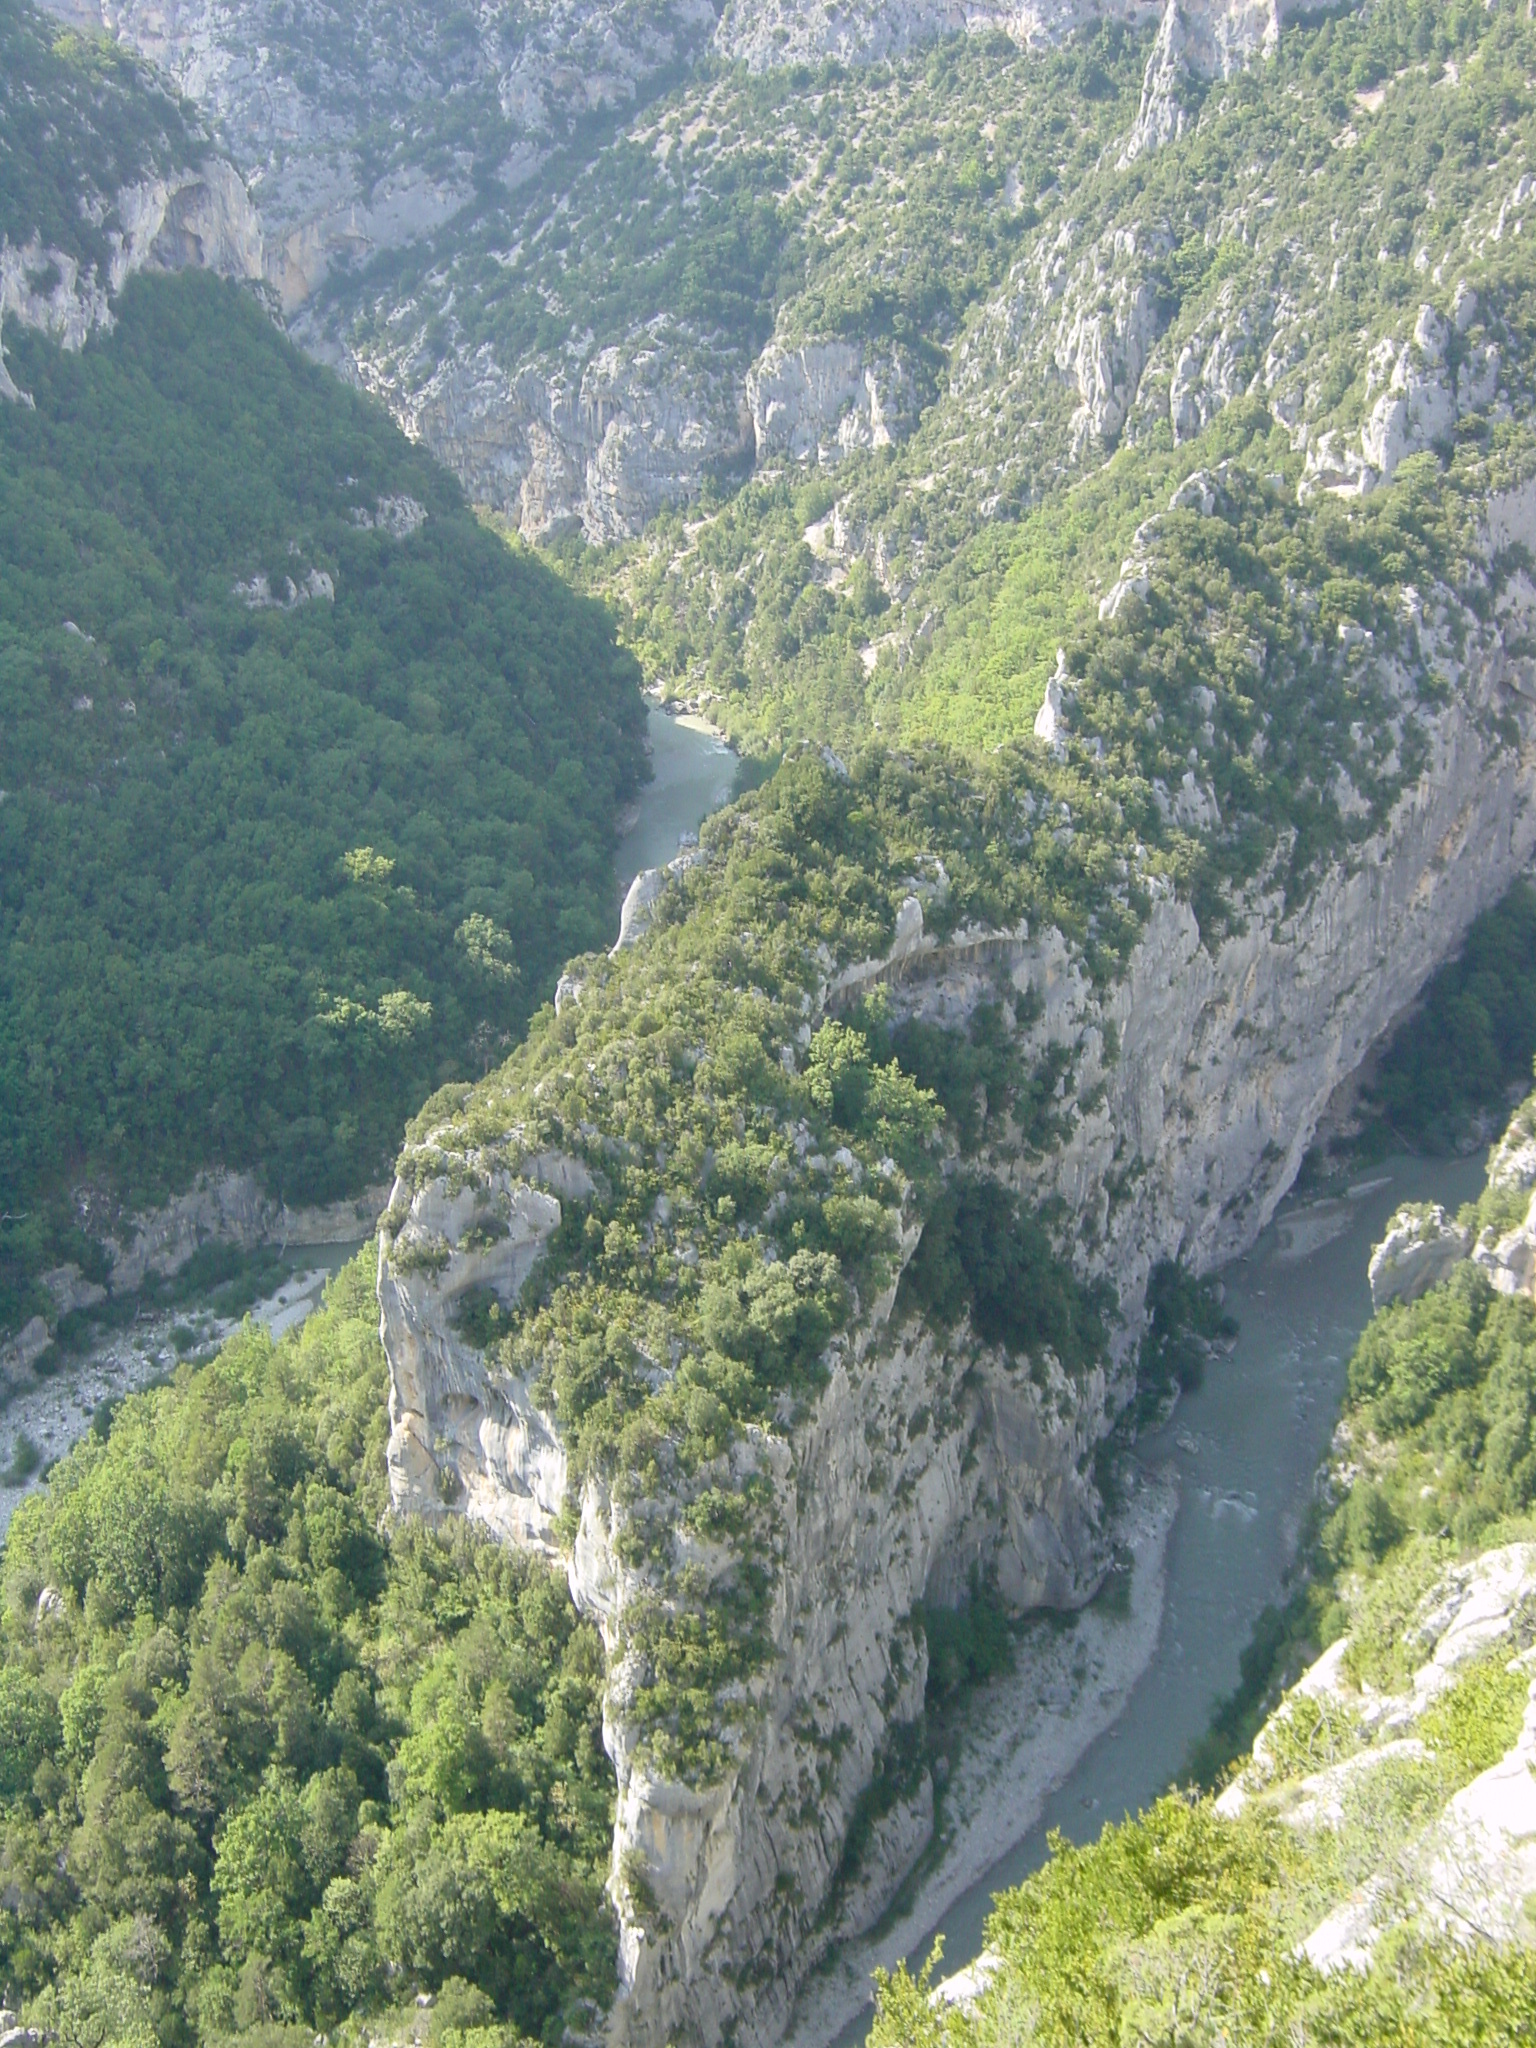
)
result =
(919, 1460)
(764, 33)
(821, 400)
(922, 1457)
(303, 105)
(198, 218)
(396, 126)
(607, 444)
(602, 447)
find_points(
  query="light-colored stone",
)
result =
(304, 121)
(227, 1208)
(1510, 1261)
(197, 218)
(823, 399)
(640, 900)
(1421, 1247)
(601, 446)
(18, 1357)
(1052, 719)
(1228, 1054)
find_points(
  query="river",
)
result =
(1245, 1447)
(695, 772)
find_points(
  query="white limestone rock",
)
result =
(601, 446)
(640, 900)
(1199, 39)
(21, 1353)
(1229, 1051)
(1512, 1162)
(1421, 1248)
(1108, 322)
(823, 399)
(304, 120)
(1215, 36)
(1418, 409)
(1510, 1261)
(221, 1208)
(1052, 720)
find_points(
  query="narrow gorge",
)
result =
(1189, 1088)
(1057, 485)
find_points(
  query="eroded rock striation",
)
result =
(601, 448)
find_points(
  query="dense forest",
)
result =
(309, 783)
(264, 1767)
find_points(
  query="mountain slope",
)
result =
(309, 785)
(260, 1759)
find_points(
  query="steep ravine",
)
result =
(909, 1467)
(1242, 1451)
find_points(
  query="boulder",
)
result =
(1421, 1247)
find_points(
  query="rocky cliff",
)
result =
(410, 173)
(1190, 1088)
(362, 130)
(194, 218)
(634, 432)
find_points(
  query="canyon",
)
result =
(925, 1456)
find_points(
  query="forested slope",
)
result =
(264, 1766)
(309, 784)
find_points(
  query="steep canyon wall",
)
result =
(1193, 1089)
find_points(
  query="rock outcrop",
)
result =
(603, 449)
(1421, 1247)
(223, 1208)
(819, 401)
(1474, 1862)
(305, 114)
(1423, 400)
(200, 218)
(919, 1461)
(766, 33)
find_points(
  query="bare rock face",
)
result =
(1108, 322)
(1472, 1862)
(603, 448)
(918, 1461)
(18, 1356)
(1198, 40)
(460, 1436)
(198, 219)
(766, 33)
(824, 398)
(302, 103)
(1510, 1261)
(1420, 1249)
(225, 1208)
(1419, 407)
